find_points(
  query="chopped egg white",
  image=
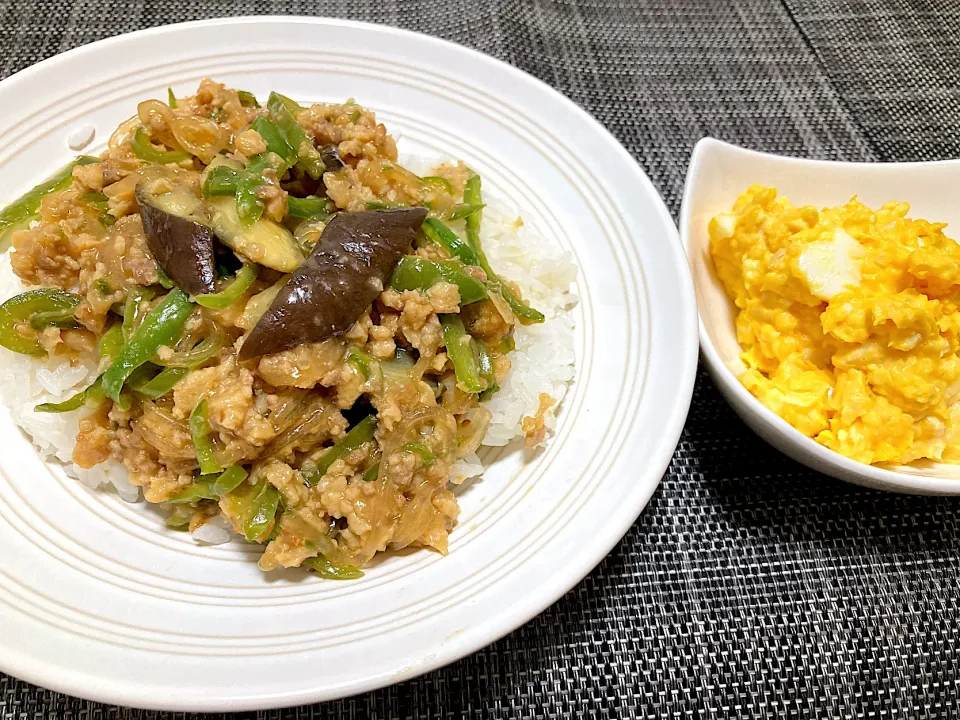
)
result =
(726, 224)
(831, 266)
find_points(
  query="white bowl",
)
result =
(718, 173)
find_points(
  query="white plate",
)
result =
(98, 600)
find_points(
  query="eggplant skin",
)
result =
(347, 270)
(182, 247)
(331, 158)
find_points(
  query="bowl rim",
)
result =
(766, 423)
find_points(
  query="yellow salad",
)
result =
(848, 321)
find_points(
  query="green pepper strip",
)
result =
(308, 158)
(111, 342)
(200, 434)
(327, 570)
(143, 148)
(438, 182)
(463, 211)
(359, 434)
(415, 273)
(20, 212)
(232, 292)
(211, 489)
(100, 202)
(263, 161)
(380, 205)
(221, 181)
(141, 376)
(200, 490)
(60, 307)
(485, 368)
(361, 361)
(54, 318)
(196, 356)
(22, 308)
(162, 383)
(97, 200)
(171, 99)
(162, 326)
(249, 207)
(421, 451)
(472, 196)
(292, 106)
(134, 310)
(180, 517)
(263, 513)
(275, 139)
(229, 480)
(372, 473)
(528, 314)
(447, 238)
(308, 207)
(94, 394)
(164, 280)
(460, 350)
(247, 99)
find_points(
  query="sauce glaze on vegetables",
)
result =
(294, 332)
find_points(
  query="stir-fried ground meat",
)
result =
(314, 477)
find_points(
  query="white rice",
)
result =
(25, 382)
(215, 531)
(543, 360)
(542, 363)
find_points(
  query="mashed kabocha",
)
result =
(848, 320)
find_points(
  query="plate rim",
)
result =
(497, 625)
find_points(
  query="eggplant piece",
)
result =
(264, 242)
(331, 158)
(348, 268)
(182, 247)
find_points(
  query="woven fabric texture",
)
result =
(750, 587)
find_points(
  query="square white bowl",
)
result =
(718, 173)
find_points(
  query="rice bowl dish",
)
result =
(392, 419)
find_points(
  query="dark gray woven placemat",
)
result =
(750, 587)
(897, 67)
